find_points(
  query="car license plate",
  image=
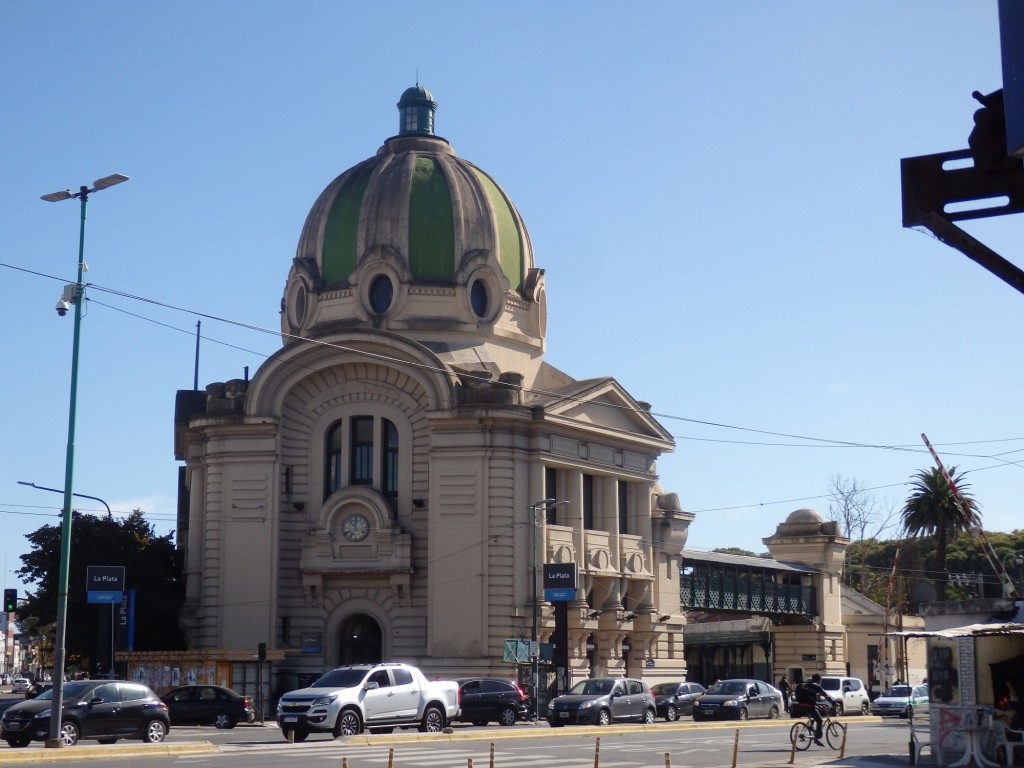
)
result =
(563, 714)
(709, 711)
(289, 719)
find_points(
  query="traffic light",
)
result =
(10, 600)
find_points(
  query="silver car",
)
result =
(901, 701)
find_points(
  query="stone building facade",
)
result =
(371, 493)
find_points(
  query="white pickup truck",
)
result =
(378, 697)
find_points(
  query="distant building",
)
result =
(370, 493)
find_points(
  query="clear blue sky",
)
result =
(713, 189)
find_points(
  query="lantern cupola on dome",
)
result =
(416, 111)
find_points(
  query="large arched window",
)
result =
(362, 450)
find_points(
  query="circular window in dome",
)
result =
(479, 299)
(382, 293)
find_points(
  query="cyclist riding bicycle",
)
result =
(807, 695)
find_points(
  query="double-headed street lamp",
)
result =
(541, 506)
(77, 297)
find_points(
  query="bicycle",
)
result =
(802, 734)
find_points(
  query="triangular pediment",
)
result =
(605, 404)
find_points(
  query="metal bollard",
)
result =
(469, 762)
(344, 762)
(842, 749)
(668, 760)
(597, 753)
(391, 758)
(792, 747)
(492, 754)
(735, 747)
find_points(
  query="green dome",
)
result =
(417, 200)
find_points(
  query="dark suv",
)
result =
(484, 699)
(105, 710)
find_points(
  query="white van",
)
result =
(850, 694)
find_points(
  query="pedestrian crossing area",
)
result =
(429, 756)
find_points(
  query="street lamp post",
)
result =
(541, 506)
(110, 515)
(78, 297)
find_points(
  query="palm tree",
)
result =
(932, 510)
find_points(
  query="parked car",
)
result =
(36, 688)
(105, 710)
(601, 701)
(208, 705)
(484, 699)
(901, 701)
(20, 685)
(374, 696)
(673, 700)
(850, 694)
(739, 699)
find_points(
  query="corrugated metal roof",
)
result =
(971, 630)
(752, 562)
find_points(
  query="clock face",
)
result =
(355, 527)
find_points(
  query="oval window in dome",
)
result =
(382, 292)
(478, 298)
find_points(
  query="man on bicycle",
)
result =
(807, 695)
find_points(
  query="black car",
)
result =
(739, 699)
(483, 699)
(673, 700)
(105, 710)
(208, 705)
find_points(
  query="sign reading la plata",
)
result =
(104, 583)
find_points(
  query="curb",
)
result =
(99, 752)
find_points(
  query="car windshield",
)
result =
(341, 678)
(898, 691)
(729, 688)
(664, 689)
(71, 692)
(592, 687)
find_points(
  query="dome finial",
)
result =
(416, 111)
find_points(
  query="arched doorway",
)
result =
(360, 640)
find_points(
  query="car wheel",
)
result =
(507, 717)
(223, 720)
(742, 714)
(69, 734)
(604, 717)
(649, 716)
(155, 732)
(347, 724)
(107, 741)
(671, 714)
(433, 721)
(864, 708)
(17, 742)
(773, 713)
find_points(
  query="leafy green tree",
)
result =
(152, 568)
(932, 510)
